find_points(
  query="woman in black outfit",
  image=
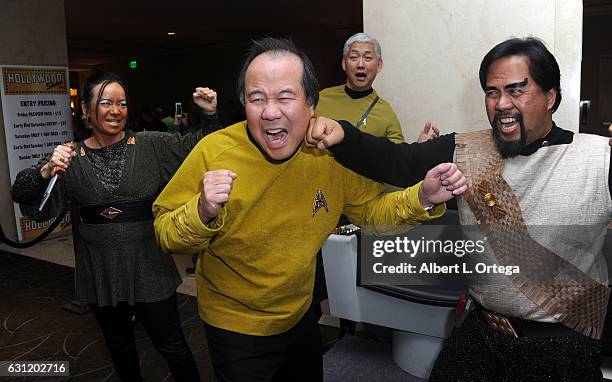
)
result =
(113, 177)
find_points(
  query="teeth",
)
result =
(507, 120)
(274, 131)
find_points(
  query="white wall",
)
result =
(432, 51)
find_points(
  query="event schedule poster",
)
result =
(37, 115)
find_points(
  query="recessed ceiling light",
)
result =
(171, 33)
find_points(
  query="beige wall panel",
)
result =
(432, 51)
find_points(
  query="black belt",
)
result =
(518, 327)
(118, 212)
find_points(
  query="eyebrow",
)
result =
(254, 92)
(514, 85)
(517, 85)
(108, 99)
(287, 90)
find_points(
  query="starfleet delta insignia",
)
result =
(319, 201)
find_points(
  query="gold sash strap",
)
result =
(554, 284)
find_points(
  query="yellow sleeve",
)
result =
(394, 131)
(370, 208)
(178, 226)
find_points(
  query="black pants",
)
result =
(319, 290)
(161, 321)
(295, 355)
(476, 352)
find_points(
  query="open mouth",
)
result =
(361, 75)
(508, 124)
(276, 137)
(113, 122)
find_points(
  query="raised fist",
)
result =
(206, 99)
(216, 188)
(323, 133)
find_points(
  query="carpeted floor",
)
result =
(34, 326)
(359, 359)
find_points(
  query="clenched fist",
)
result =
(216, 188)
(441, 184)
(323, 133)
(206, 99)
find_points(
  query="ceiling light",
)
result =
(171, 33)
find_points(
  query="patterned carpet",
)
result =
(34, 326)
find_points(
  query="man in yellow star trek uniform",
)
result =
(261, 213)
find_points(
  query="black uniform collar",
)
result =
(556, 136)
(356, 94)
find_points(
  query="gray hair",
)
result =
(362, 37)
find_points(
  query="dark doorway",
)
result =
(596, 84)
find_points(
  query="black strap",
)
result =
(118, 212)
(365, 115)
(37, 239)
